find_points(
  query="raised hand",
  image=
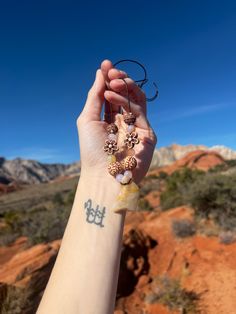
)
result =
(108, 87)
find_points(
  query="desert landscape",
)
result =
(179, 248)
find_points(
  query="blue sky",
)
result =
(50, 50)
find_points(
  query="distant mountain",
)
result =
(31, 171)
(167, 155)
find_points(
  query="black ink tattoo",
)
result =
(94, 216)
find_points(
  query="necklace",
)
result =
(122, 170)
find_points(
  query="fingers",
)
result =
(110, 110)
(119, 86)
(116, 96)
(120, 100)
(115, 74)
(106, 65)
(93, 106)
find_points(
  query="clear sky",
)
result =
(50, 50)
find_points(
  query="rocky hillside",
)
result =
(159, 272)
(198, 159)
(31, 171)
(167, 155)
(177, 257)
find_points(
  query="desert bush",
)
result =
(148, 185)
(143, 204)
(15, 302)
(224, 166)
(70, 197)
(151, 176)
(183, 228)
(170, 293)
(231, 163)
(58, 199)
(219, 168)
(163, 175)
(176, 187)
(39, 224)
(214, 196)
(227, 237)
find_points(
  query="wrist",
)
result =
(99, 185)
(104, 188)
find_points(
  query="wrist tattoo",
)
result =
(94, 216)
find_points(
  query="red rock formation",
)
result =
(201, 160)
(150, 249)
(6, 253)
(28, 269)
(8, 188)
(201, 263)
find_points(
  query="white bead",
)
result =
(112, 137)
(119, 177)
(130, 128)
(125, 179)
(128, 173)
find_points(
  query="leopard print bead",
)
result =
(129, 163)
(115, 168)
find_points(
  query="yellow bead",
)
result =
(111, 158)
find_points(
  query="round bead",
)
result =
(130, 128)
(112, 136)
(129, 118)
(114, 168)
(131, 152)
(129, 163)
(128, 174)
(111, 158)
(112, 128)
(119, 177)
(125, 180)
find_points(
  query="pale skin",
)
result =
(85, 275)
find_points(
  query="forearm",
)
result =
(84, 278)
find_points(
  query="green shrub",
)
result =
(176, 187)
(40, 224)
(231, 163)
(211, 194)
(15, 302)
(143, 204)
(227, 237)
(170, 293)
(214, 196)
(148, 185)
(224, 166)
(183, 228)
(163, 175)
(70, 197)
(58, 199)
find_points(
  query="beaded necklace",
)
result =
(122, 171)
(128, 197)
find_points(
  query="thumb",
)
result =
(93, 106)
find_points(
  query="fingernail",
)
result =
(123, 72)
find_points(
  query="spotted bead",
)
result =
(129, 118)
(112, 128)
(129, 163)
(115, 168)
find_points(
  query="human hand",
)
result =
(92, 130)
